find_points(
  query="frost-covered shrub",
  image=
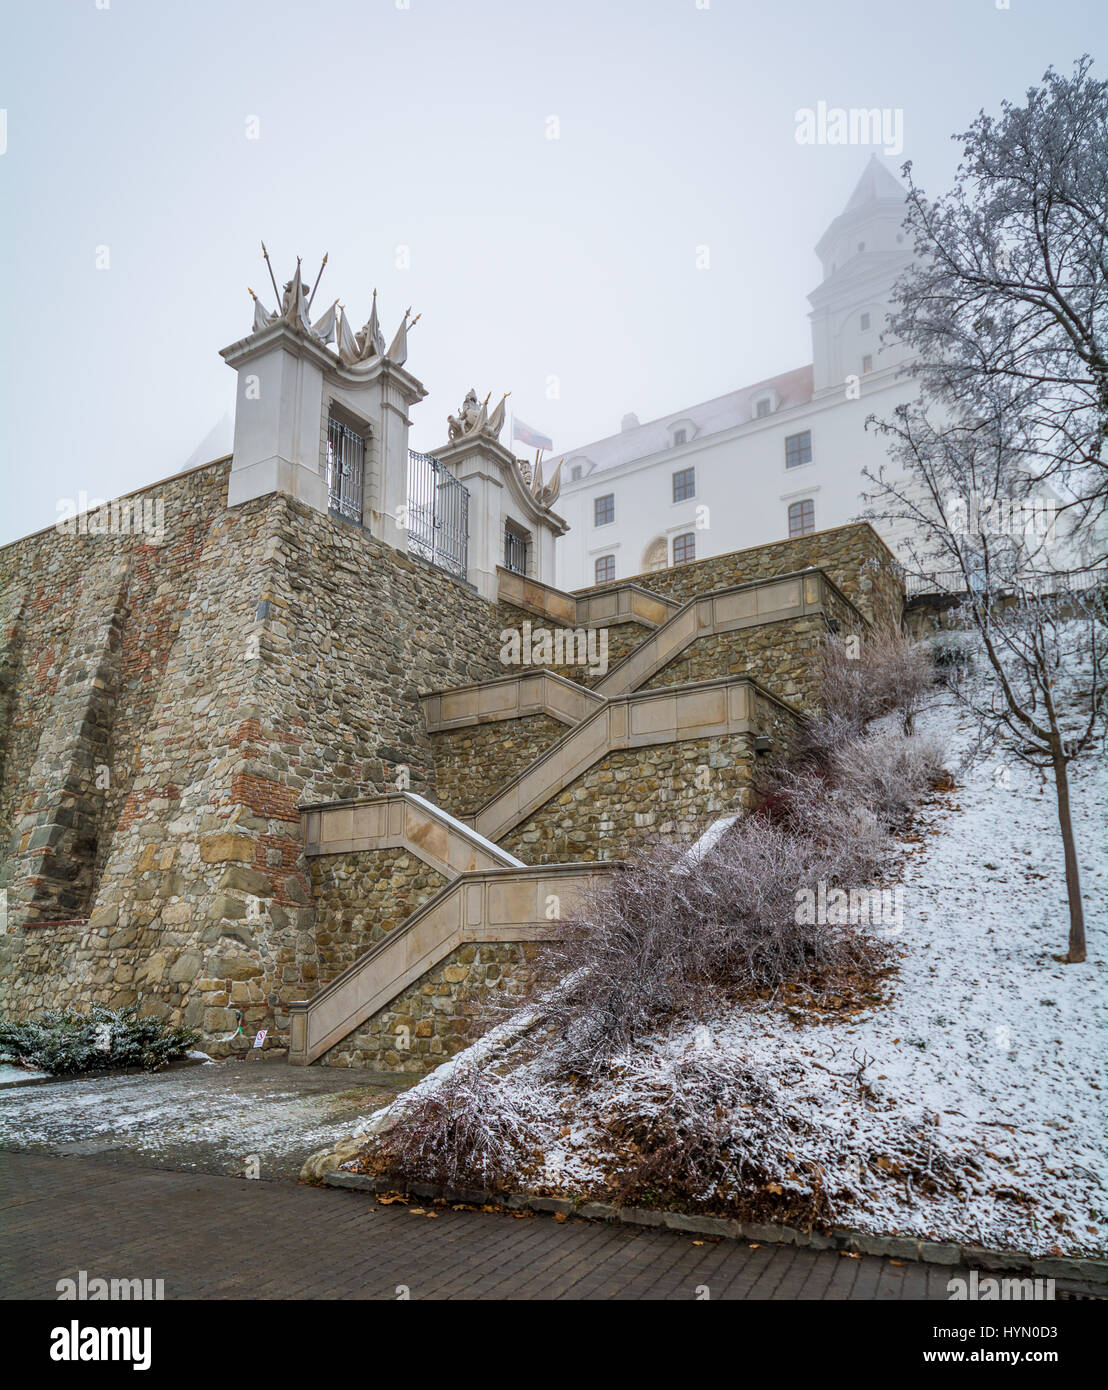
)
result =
(666, 937)
(805, 801)
(467, 1131)
(746, 1134)
(674, 1118)
(886, 771)
(887, 672)
(61, 1041)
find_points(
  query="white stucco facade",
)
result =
(745, 475)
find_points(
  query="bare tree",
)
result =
(1009, 294)
(1043, 695)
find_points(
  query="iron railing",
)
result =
(515, 551)
(1064, 581)
(345, 469)
(438, 515)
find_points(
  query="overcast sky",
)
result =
(427, 126)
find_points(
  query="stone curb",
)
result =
(1092, 1275)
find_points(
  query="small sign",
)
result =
(261, 1037)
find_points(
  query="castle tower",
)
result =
(862, 252)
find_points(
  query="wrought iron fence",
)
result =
(515, 551)
(345, 469)
(952, 582)
(438, 515)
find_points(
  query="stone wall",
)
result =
(293, 675)
(781, 656)
(359, 898)
(443, 1012)
(89, 620)
(854, 556)
(473, 763)
(635, 795)
(623, 638)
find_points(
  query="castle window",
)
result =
(802, 518)
(762, 409)
(680, 436)
(684, 548)
(604, 509)
(575, 473)
(684, 484)
(865, 322)
(798, 449)
(345, 462)
(605, 569)
(517, 548)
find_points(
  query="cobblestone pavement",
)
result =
(205, 1118)
(213, 1237)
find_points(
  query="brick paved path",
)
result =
(226, 1238)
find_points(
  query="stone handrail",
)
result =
(509, 697)
(705, 709)
(401, 820)
(487, 905)
(743, 605)
(621, 603)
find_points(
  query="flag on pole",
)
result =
(528, 436)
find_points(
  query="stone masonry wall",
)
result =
(443, 1012)
(623, 638)
(854, 556)
(294, 676)
(635, 795)
(781, 656)
(70, 603)
(473, 763)
(360, 897)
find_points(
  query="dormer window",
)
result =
(763, 406)
(680, 436)
(575, 473)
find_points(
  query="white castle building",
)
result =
(779, 458)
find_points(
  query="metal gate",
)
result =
(438, 515)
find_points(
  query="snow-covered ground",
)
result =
(985, 1062)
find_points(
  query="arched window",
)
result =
(605, 569)
(684, 548)
(802, 517)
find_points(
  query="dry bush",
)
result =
(805, 801)
(741, 1136)
(887, 772)
(466, 1132)
(665, 938)
(672, 1122)
(889, 673)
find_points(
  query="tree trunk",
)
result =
(1076, 952)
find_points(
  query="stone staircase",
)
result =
(596, 766)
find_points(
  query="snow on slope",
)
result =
(986, 1044)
